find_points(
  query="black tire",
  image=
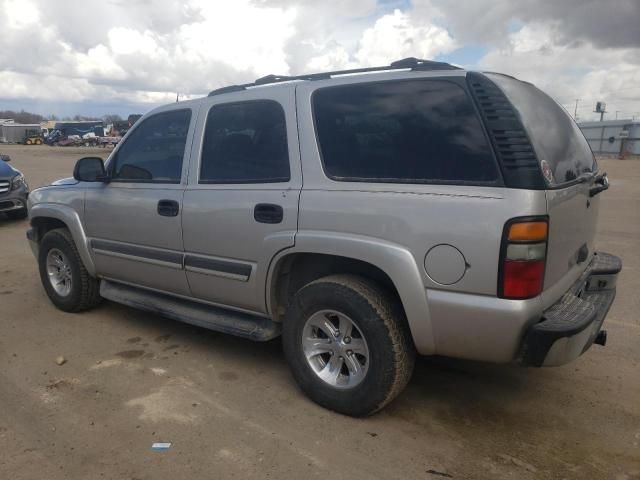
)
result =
(85, 290)
(381, 321)
(17, 214)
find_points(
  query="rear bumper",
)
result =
(571, 325)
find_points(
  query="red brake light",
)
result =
(522, 279)
(523, 258)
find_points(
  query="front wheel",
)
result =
(63, 275)
(348, 344)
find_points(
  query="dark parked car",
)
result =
(13, 190)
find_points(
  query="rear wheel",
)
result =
(28, 141)
(63, 275)
(348, 344)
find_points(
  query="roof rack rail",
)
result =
(227, 89)
(406, 63)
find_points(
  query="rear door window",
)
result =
(560, 146)
(245, 142)
(409, 131)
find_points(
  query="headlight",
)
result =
(18, 181)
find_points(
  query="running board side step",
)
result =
(213, 318)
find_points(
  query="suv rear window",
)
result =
(409, 131)
(560, 146)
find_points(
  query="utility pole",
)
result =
(177, 97)
(575, 111)
(617, 112)
(601, 108)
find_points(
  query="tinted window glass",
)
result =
(417, 131)
(155, 149)
(245, 143)
(560, 146)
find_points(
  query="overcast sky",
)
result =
(125, 56)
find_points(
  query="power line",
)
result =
(567, 100)
(568, 106)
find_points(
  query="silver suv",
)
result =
(363, 215)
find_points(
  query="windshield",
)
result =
(560, 146)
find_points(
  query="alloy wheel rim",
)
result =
(335, 349)
(59, 272)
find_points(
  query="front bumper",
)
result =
(14, 200)
(571, 325)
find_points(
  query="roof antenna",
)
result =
(177, 95)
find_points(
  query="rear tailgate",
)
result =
(572, 227)
(569, 169)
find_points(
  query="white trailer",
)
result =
(11, 132)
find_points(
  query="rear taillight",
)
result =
(522, 258)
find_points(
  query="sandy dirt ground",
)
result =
(231, 409)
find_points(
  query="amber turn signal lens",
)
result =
(528, 231)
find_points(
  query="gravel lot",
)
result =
(231, 409)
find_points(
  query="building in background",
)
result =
(619, 137)
(11, 132)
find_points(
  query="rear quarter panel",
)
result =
(415, 218)
(469, 218)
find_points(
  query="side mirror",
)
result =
(5, 158)
(90, 169)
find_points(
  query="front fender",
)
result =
(72, 220)
(396, 261)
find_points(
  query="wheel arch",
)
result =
(315, 255)
(46, 217)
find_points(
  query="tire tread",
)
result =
(89, 296)
(403, 349)
(397, 357)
